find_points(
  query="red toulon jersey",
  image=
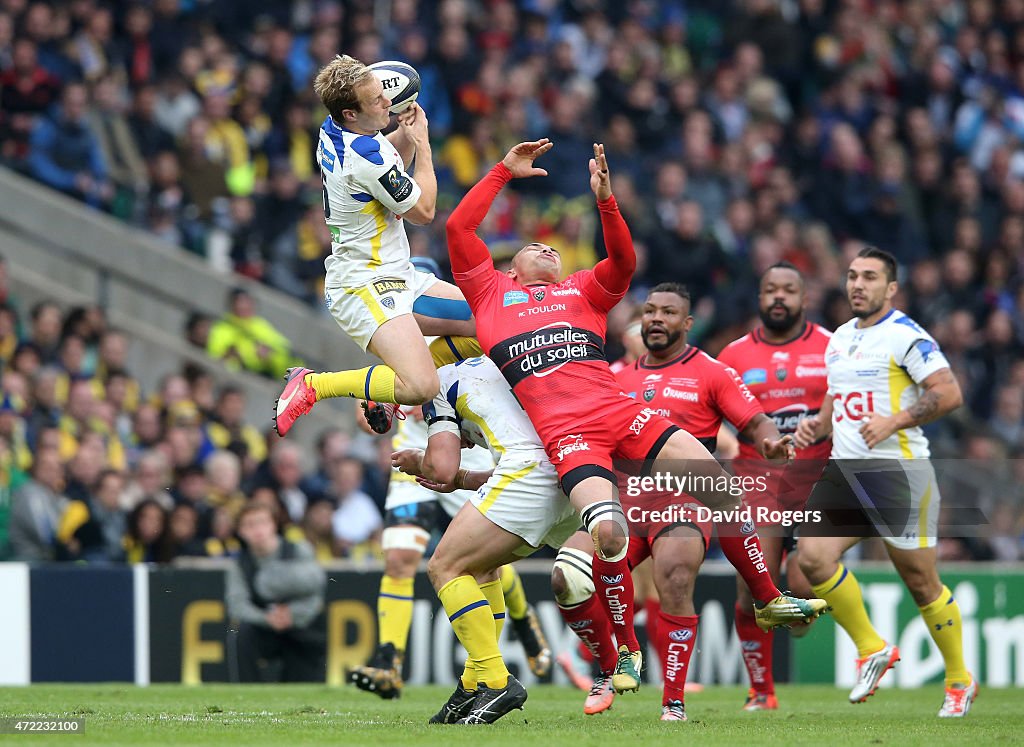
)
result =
(694, 391)
(547, 340)
(788, 379)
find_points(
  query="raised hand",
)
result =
(520, 159)
(413, 124)
(600, 181)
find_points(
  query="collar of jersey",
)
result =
(329, 122)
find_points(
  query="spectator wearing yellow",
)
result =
(93, 528)
(227, 143)
(228, 429)
(246, 341)
(79, 418)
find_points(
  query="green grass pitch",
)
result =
(291, 715)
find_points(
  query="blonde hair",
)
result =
(336, 84)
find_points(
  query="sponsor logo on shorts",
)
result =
(570, 444)
(755, 376)
(641, 420)
(388, 302)
(680, 635)
(676, 394)
(538, 294)
(389, 285)
(612, 579)
(580, 624)
(513, 297)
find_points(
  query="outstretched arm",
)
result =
(616, 271)
(466, 250)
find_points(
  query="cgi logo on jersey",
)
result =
(853, 405)
(569, 444)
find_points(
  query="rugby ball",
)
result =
(401, 83)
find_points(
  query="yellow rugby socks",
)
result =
(515, 596)
(394, 610)
(492, 593)
(946, 628)
(842, 592)
(496, 599)
(454, 348)
(375, 383)
(470, 615)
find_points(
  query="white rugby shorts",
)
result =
(359, 310)
(523, 497)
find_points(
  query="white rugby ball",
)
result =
(401, 83)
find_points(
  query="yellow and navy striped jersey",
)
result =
(879, 369)
(476, 400)
(366, 190)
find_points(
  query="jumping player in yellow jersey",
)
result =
(374, 293)
(886, 378)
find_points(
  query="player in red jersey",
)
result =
(783, 363)
(547, 338)
(696, 392)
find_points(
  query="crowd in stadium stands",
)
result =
(739, 133)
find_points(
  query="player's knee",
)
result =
(675, 582)
(608, 528)
(403, 547)
(610, 542)
(816, 564)
(571, 577)
(401, 563)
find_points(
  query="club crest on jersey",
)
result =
(388, 302)
(512, 298)
(389, 285)
(538, 294)
(680, 635)
(781, 374)
(649, 392)
(852, 348)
